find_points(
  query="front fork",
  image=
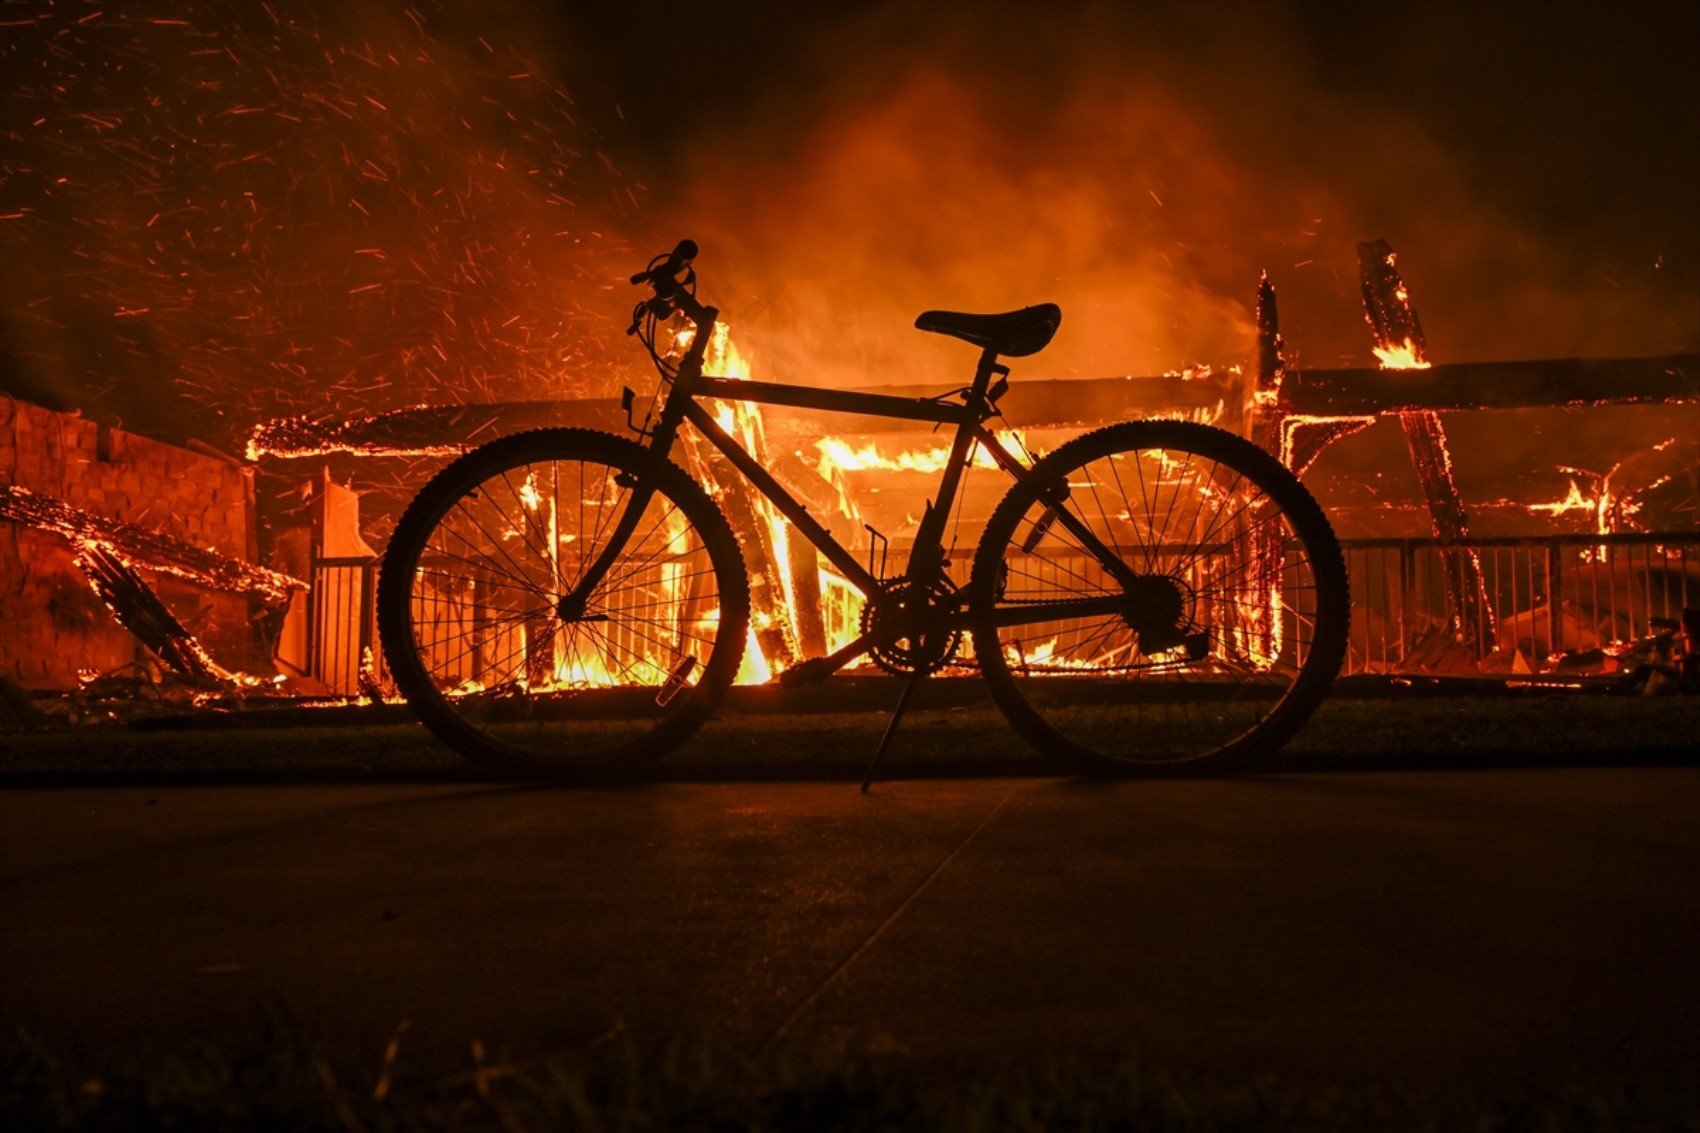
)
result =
(573, 605)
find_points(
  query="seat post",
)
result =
(927, 560)
(927, 557)
(983, 372)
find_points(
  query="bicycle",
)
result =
(1153, 596)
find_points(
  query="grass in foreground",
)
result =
(284, 1081)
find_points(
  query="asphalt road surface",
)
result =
(1414, 925)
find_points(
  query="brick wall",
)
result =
(51, 624)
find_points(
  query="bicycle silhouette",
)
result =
(1152, 596)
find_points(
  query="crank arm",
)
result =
(817, 669)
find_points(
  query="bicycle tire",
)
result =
(1221, 686)
(470, 622)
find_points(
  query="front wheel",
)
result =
(486, 632)
(1159, 596)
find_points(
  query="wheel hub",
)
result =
(572, 609)
(1156, 611)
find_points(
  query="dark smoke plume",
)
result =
(1139, 164)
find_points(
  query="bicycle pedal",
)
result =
(675, 682)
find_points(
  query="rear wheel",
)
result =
(478, 638)
(1209, 638)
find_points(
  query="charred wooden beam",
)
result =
(807, 618)
(1271, 365)
(1387, 303)
(1271, 370)
(1394, 322)
(438, 430)
(1670, 379)
(139, 610)
(1304, 438)
(1353, 392)
(425, 430)
(149, 550)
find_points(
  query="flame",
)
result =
(1404, 356)
(1574, 500)
(840, 602)
(837, 454)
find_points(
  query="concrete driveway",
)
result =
(1438, 925)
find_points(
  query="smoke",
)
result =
(216, 213)
(1138, 165)
(213, 213)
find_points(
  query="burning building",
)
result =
(325, 219)
(1538, 581)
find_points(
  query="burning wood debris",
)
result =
(140, 547)
(802, 608)
(431, 219)
(1401, 345)
(111, 554)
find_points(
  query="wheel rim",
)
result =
(1220, 625)
(507, 667)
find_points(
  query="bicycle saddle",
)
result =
(1015, 333)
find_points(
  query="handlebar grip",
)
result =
(677, 260)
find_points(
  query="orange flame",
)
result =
(1401, 357)
(840, 602)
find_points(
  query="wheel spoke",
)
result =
(476, 571)
(1214, 637)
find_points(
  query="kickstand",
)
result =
(891, 727)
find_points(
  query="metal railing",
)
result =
(342, 622)
(1550, 595)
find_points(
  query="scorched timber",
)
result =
(1394, 323)
(139, 610)
(443, 430)
(425, 430)
(1671, 379)
(139, 547)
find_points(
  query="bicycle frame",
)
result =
(1177, 647)
(920, 614)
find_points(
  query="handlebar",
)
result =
(668, 271)
(672, 293)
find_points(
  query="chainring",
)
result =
(902, 656)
